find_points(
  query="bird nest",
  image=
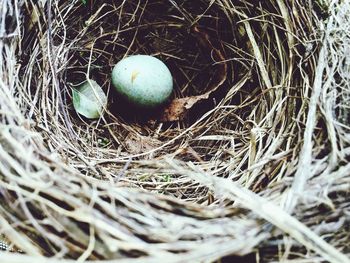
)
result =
(249, 157)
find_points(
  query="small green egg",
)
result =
(143, 80)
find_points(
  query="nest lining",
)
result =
(191, 68)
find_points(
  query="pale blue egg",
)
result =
(143, 80)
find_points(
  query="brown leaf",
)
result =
(137, 143)
(177, 109)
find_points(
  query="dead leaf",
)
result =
(137, 144)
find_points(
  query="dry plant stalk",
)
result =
(263, 168)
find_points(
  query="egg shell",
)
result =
(143, 80)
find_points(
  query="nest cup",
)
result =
(157, 29)
(97, 35)
(249, 59)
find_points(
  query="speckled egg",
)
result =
(143, 80)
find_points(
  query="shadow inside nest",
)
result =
(104, 32)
